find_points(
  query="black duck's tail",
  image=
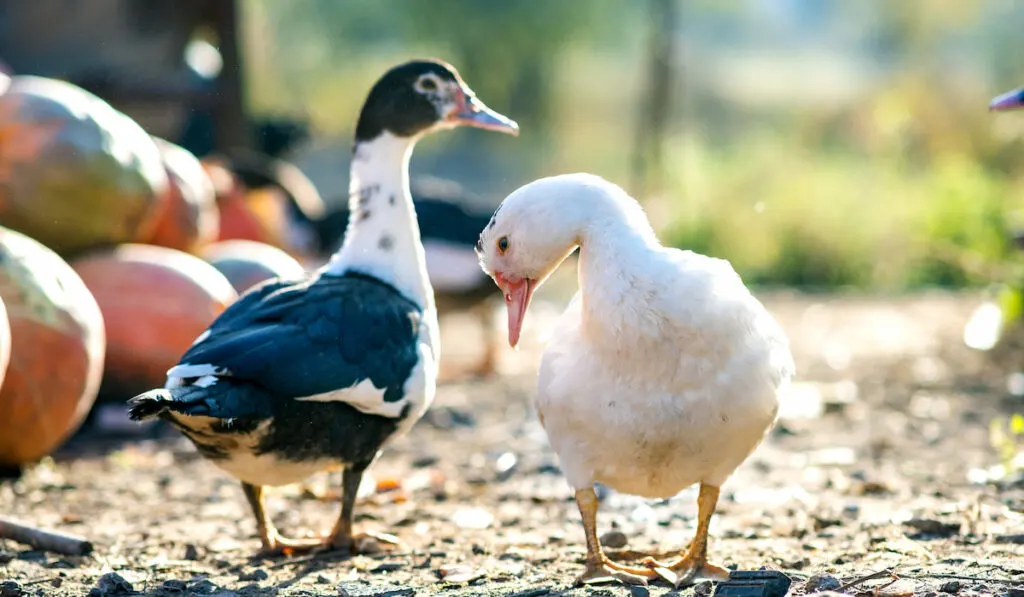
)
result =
(150, 404)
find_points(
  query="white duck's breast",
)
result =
(651, 416)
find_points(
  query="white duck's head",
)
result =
(540, 224)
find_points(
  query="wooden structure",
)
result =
(132, 54)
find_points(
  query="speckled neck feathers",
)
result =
(383, 237)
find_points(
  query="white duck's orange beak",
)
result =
(518, 294)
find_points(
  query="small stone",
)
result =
(191, 552)
(639, 591)
(702, 589)
(472, 518)
(952, 587)
(202, 587)
(322, 580)
(388, 567)
(357, 589)
(614, 539)
(425, 460)
(10, 589)
(822, 582)
(255, 576)
(173, 586)
(459, 573)
(110, 584)
(931, 526)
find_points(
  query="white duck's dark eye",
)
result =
(503, 244)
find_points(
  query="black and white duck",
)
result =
(298, 377)
(449, 228)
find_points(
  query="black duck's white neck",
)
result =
(383, 236)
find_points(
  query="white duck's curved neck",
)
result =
(383, 237)
(616, 244)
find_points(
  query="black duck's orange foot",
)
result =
(366, 542)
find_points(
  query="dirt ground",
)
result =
(876, 466)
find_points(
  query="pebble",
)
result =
(110, 584)
(505, 466)
(702, 589)
(173, 586)
(191, 552)
(254, 576)
(202, 587)
(357, 589)
(952, 587)
(822, 582)
(538, 592)
(388, 567)
(639, 591)
(322, 580)
(10, 589)
(614, 539)
(459, 573)
(472, 518)
(931, 526)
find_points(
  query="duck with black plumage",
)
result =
(300, 376)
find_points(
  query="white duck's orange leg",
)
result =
(599, 567)
(694, 561)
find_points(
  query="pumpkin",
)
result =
(155, 302)
(187, 216)
(246, 263)
(74, 172)
(56, 350)
(5, 342)
(259, 215)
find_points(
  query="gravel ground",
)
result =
(877, 466)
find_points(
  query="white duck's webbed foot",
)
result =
(693, 564)
(605, 571)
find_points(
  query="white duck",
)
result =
(664, 371)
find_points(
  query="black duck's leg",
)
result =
(273, 544)
(342, 536)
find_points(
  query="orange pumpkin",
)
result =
(74, 172)
(246, 263)
(5, 342)
(56, 350)
(187, 216)
(155, 302)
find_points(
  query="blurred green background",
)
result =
(815, 143)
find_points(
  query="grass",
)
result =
(789, 215)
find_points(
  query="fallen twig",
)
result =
(42, 539)
(866, 578)
(962, 577)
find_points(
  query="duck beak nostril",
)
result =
(470, 111)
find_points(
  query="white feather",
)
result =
(201, 337)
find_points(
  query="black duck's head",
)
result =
(422, 96)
